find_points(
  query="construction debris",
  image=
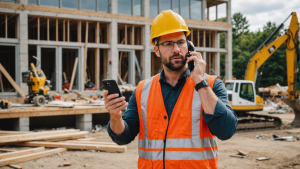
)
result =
(286, 138)
(262, 158)
(60, 140)
(240, 154)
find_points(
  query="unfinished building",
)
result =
(84, 41)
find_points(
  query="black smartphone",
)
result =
(191, 47)
(111, 86)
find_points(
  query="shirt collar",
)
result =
(184, 76)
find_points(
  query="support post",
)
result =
(85, 50)
(56, 24)
(228, 55)
(64, 30)
(132, 35)
(97, 68)
(68, 35)
(125, 34)
(216, 13)
(198, 37)
(5, 26)
(79, 31)
(204, 4)
(192, 39)
(97, 33)
(48, 30)
(21, 124)
(204, 38)
(38, 28)
(228, 7)
(84, 122)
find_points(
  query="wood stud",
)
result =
(48, 30)
(6, 26)
(38, 28)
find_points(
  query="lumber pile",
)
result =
(273, 90)
(60, 140)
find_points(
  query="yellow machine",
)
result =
(242, 93)
(38, 86)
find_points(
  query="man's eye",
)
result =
(169, 44)
(180, 42)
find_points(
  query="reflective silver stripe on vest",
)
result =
(179, 155)
(196, 107)
(179, 143)
(144, 100)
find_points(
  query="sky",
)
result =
(259, 12)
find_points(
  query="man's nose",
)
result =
(176, 48)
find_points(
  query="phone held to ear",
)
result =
(111, 86)
(191, 47)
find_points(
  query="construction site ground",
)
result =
(282, 154)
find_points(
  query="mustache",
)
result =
(176, 54)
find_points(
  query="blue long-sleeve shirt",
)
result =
(222, 123)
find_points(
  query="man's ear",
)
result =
(156, 50)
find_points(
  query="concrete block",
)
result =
(84, 126)
(23, 48)
(21, 124)
(84, 118)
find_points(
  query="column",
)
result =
(146, 53)
(204, 4)
(217, 54)
(23, 50)
(84, 122)
(113, 6)
(113, 54)
(228, 7)
(228, 55)
(23, 2)
(21, 124)
(145, 8)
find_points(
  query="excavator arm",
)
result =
(264, 52)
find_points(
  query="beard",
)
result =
(178, 65)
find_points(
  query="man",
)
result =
(176, 113)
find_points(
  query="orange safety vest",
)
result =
(184, 141)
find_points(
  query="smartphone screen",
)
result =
(111, 86)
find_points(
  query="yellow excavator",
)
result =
(38, 86)
(241, 93)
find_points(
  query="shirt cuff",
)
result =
(114, 136)
(220, 109)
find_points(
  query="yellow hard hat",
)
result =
(167, 22)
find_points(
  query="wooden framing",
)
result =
(192, 34)
(38, 28)
(68, 31)
(73, 73)
(85, 51)
(125, 34)
(56, 33)
(1, 83)
(132, 35)
(12, 82)
(107, 33)
(7, 150)
(22, 152)
(87, 139)
(97, 67)
(198, 37)
(15, 166)
(48, 30)
(32, 156)
(97, 32)
(64, 31)
(204, 38)
(50, 111)
(79, 31)
(75, 146)
(6, 26)
(16, 28)
(91, 142)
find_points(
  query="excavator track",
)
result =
(253, 121)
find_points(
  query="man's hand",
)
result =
(114, 105)
(197, 75)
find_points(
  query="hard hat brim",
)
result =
(169, 32)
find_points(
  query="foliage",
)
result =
(244, 43)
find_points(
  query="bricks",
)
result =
(84, 122)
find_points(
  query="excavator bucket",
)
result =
(295, 105)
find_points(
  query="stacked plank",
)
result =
(60, 140)
(273, 91)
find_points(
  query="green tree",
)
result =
(239, 25)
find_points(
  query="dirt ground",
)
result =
(282, 154)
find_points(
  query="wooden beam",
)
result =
(56, 29)
(22, 152)
(5, 132)
(1, 83)
(198, 37)
(125, 34)
(12, 82)
(40, 136)
(97, 68)
(209, 39)
(6, 26)
(68, 35)
(7, 150)
(132, 35)
(15, 166)
(73, 73)
(48, 30)
(97, 32)
(107, 33)
(16, 28)
(38, 28)
(32, 156)
(64, 30)
(192, 35)
(91, 142)
(87, 139)
(79, 31)
(75, 146)
(105, 61)
(85, 51)
(204, 38)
